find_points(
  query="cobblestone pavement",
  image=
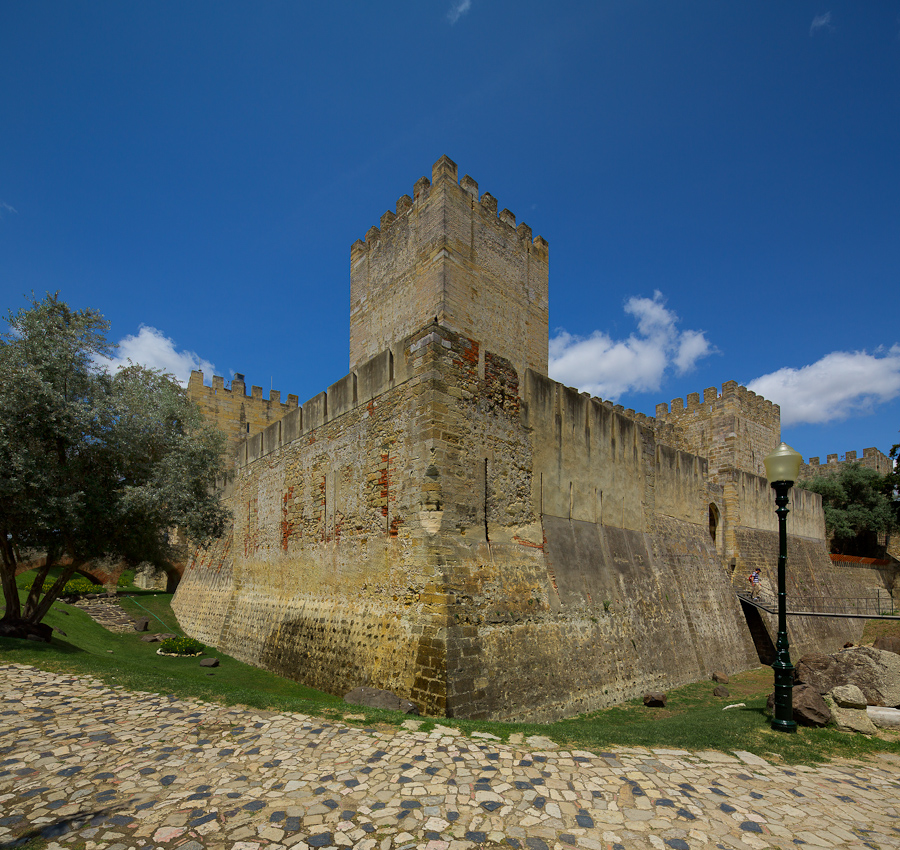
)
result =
(86, 765)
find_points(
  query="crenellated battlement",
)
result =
(666, 433)
(872, 458)
(197, 387)
(446, 170)
(446, 252)
(236, 413)
(749, 402)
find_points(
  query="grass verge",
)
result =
(693, 719)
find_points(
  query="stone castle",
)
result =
(449, 523)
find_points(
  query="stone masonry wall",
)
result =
(629, 594)
(869, 572)
(809, 573)
(499, 552)
(485, 546)
(327, 579)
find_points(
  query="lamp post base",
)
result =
(784, 725)
(783, 714)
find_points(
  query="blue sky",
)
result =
(718, 182)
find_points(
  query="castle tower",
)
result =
(734, 429)
(445, 254)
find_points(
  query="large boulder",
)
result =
(875, 672)
(375, 698)
(655, 699)
(888, 643)
(849, 696)
(849, 719)
(808, 706)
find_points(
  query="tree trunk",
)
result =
(10, 594)
(37, 586)
(8, 578)
(55, 589)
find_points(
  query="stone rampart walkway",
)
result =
(85, 765)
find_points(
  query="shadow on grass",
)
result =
(57, 647)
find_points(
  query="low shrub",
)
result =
(73, 586)
(181, 646)
(83, 585)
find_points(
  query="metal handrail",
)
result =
(878, 606)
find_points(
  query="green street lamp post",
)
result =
(782, 469)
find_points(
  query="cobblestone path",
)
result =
(86, 765)
(108, 613)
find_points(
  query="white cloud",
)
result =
(606, 367)
(151, 347)
(820, 22)
(840, 385)
(458, 9)
(5, 207)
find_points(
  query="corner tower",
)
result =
(446, 254)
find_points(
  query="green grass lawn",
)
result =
(693, 718)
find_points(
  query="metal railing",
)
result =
(879, 603)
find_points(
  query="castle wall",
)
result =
(234, 412)
(446, 254)
(613, 612)
(326, 578)
(486, 549)
(871, 458)
(753, 506)
(873, 573)
(629, 593)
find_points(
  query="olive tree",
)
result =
(858, 507)
(92, 465)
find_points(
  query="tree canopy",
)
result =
(93, 465)
(858, 505)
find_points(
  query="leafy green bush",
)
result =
(182, 646)
(126, 578)
(83, 585)
(75, 585)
